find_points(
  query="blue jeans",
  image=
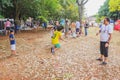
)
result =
(86, 32)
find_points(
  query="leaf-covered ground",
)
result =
(76, 60)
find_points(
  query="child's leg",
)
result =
(6, 32)
(55, 48)
(13, 51)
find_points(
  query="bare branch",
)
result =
(79, 2)
(84, 2)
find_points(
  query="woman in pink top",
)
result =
(7, 26)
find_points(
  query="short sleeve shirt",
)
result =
(8, 24)
(12, 42)
(77, 24)
(56, 37)
(105, 31)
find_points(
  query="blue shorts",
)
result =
(57, 45)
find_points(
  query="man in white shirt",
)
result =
(77, 28)
(105, 37)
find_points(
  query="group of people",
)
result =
(105, 37)
(9, 29)
(72, 29)
(10, 25)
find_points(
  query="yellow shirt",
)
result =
(56, 36)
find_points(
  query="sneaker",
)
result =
(103, 63)
(52, 50)
(99, 59)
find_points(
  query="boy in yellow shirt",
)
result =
(55, 39)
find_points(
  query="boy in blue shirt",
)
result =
(12, 42)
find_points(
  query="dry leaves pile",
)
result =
(74, 61)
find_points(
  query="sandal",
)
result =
(103, 63)
(99, 59)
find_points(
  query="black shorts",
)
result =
(103, 49)
(7, 28)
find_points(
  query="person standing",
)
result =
(45, 25)
(105, 38)
(7, 26)
(86, 28)
(77, 28)
(12, 42)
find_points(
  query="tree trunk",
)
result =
(81, 4)
(80, 16)
(17, 9)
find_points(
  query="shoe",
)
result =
(99, 59)
(103, 63)
(52, 50)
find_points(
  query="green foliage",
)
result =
(105, 11)
(42, 19)
(70, 9)
(114, 5)
(1, 16)
(49, 9)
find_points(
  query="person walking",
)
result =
(57, 36)
(86, 28)
(105, 38)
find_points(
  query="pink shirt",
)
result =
(8, 24)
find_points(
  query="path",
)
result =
(74, 61)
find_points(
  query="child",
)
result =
(70, 32)
(55, 39)
(12, 42)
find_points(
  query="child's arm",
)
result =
(12, 39)
(98, 33)
(62, 39)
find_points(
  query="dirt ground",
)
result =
(76, 60)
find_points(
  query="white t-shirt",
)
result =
(105, 30)
(77, 24)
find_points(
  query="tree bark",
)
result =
(80, 15)
(81, 4)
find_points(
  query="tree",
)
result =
(3, 5)
(114, 5)
(81, 4)
(69, 9)
(104, 11)
(49, 9)
(115, 8)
